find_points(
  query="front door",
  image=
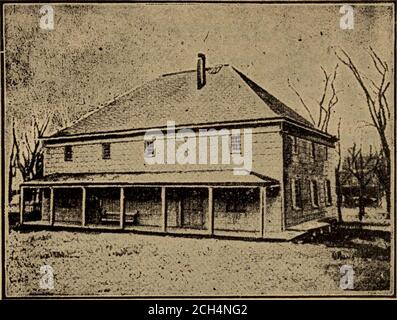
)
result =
(193, 209)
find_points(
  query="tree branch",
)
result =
(302, 102)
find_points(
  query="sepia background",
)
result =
(97, 52)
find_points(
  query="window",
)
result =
(149, 148)
(105, 150)
(314, 193)
(313, 151)
(296, 194)
(235, 142)
(325, 153)
(186, 152)
(68, 153)
(328, 193)
(294, 144)
(304, 147)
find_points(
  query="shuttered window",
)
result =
(328, 192)
(314, 193)
(294, 145)
(105, 150)
(296, 192)
(149, 148)
(313, 151)
(68, 153)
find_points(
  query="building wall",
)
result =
(67, 205)
(274, 210)
(145, 203)
(128, 155)
(267, 149)
(180, 214)
(268, 160)
(103, 206)
(299, 164)
(237, 209)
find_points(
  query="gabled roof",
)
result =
(227, 96)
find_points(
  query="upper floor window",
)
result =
(105, 150)
(296, 192)
(314, 193)
(68, 153)
(325, 153)
(294, 144)
(303, 146)
(313, 151)
(149, 148)
(235, 143)
(328, 193)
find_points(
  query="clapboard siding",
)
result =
(128, 155)
(272, 156)
(301, 165)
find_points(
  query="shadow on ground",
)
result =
(367, 251)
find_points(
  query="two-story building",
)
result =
(98, 172)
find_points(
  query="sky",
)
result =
(97, 52)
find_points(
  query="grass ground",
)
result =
(140, 265)
(373, 216)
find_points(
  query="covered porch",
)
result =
(215, 203)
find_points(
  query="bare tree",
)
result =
(338, 182)
(29, 151)
(327, 102)
(11, 171)
(63, 118)
(381, 172)
(378, 107)
(26, 151)
(362, 168)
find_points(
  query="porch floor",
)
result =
(287, 235)
(310, 226)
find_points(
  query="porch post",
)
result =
(83, 206)
(164, 208)
(51, 206)
(262, 210)
(122, 208)
(21, 205)
(211, 210)
(179, 213)
(42, 202)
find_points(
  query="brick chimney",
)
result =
(200, 71)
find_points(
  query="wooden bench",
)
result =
(129, 217)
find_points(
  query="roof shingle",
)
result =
(227, 96)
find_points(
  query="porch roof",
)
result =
(198, 177)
